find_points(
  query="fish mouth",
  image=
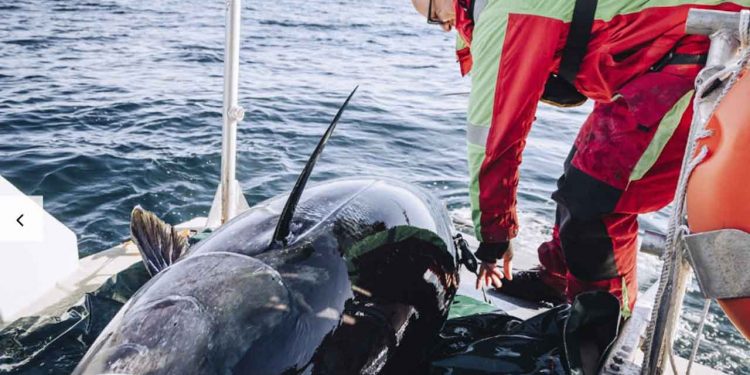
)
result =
(181, 321)
(157, 335)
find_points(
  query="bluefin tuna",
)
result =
(354, 276)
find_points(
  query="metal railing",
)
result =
(229, 199)
(725, 30)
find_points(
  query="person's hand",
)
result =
(489, 273)
(508, 263)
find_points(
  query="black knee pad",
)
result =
(588, 249)
(585, 197)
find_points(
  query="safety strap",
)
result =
(473, 8)
(673, 58)
(577, 42)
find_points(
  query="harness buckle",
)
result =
(465, 256)
(664, 61)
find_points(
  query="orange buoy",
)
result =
(718, 192)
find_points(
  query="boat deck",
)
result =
(92, 272)
(95, 269)
(626, 348)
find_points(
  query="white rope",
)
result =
(673, 252)
(694, 163)
(698, 336)
(704, 133)
(744, 27)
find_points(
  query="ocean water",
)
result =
(109, 104)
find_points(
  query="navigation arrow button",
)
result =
(19, 220)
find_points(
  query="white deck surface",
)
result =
(91, 273)
(513, 306)
(94, 270)
(34, 253)
(524, 310)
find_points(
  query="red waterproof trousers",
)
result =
(594, 243)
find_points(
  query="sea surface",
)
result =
(108, 104)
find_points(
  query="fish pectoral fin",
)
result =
(159, 243)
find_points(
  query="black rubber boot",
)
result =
(535, 285)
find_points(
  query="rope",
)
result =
(673, 254)
(694, 163)
(744, 27)
(698, 335)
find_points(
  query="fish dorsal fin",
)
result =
(159, 243)
(285, 220)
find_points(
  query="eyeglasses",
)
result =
(430, 19)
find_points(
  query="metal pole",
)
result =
(229, 199)
(707, 22)
(723, 28)
(229, 129)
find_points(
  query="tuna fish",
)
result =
(354, 276)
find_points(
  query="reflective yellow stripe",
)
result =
(475, 159)
(476, 134)
(625, 310)
(608, 9)
(605, 10)
(664, 132)
(486, 48)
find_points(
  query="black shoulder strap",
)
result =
(578, 39)
(470, 9)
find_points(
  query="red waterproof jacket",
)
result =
(511, 47)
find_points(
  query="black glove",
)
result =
(491, 252)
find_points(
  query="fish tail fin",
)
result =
(159, 243)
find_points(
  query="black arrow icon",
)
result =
(19, 220)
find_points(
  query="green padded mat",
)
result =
(463, 306)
